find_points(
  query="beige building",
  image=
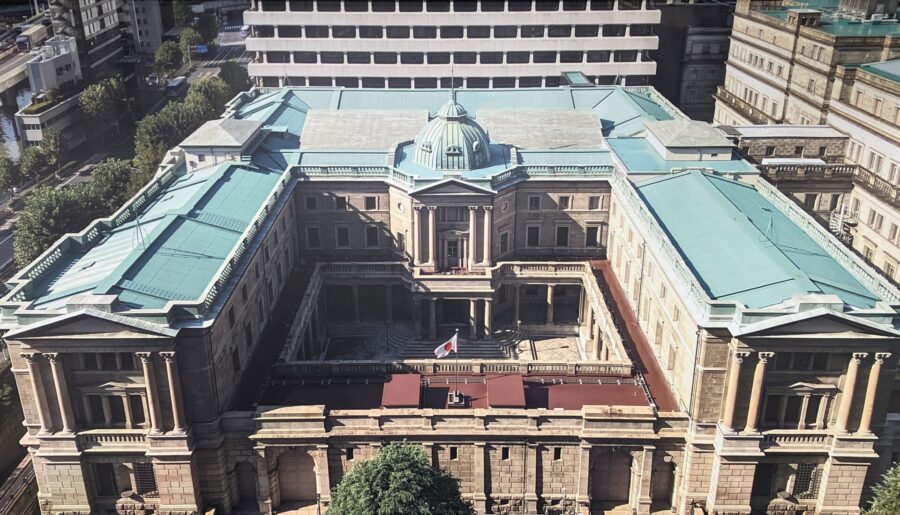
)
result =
(644, 325)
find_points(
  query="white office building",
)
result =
(417, 44)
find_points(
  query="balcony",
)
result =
(788, 172)
(877, 186)
(794, 440)
(755, 115)
(112, 439)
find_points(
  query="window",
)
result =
(517, 57)
(106, 479)
(371, 203)
(371, 236)
(562, 236)
(454, 453)
(144, 478)
(544, 57)
(590, 239)
(412, 58)
(332, 57)
(316, 31)
(491, 57)
(478, 32)
(342, 237)
(533, 236)
(340, 203)
(598, 56)
(532, 31)
(559, 31)
(806, 481)
(343, 31)
(571, 57)
(464, 57)
(565, 202)
(770, 151)
(397, 32)
(587, 31)
(625, 56)
(424, 32)
(201, 157)
(452, 32)
(385, 58)
(647, 30)
(311, 203)
(614, 31)
(594, 203)
(349, 453)
(534, 203)
(236, 361)
(504, 453)
(231, 316)
(557, 453)
(504, 242)
(304, 57)
(312, 238)
(505, 31)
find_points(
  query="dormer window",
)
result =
(426, 146)
(453, 150)
(476, 146)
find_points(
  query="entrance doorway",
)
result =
(297, 476)
(610, 478)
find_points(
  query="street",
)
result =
(229, 47)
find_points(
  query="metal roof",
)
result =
(687, 133)
(639, 157)
(226, 132)
(889, 70)
(741, 247)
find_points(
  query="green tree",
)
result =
(109, 185)
(168, 58)
(398, 481)
(189, 38)
(213, 90)
(235, 76)
(208, 27)
(180, 12)
(9, 175)
(887, 494)
(102, 102)
(32, 162)
(48, 214)
(52, 147)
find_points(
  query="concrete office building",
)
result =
(95, 26)
(144, 27)
(416, 44)
(644, 324)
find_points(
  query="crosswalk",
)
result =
(229, 53)
(237, 42)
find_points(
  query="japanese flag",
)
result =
(445, 348)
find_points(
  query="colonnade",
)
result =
(844, 408)
(487, 322)
(63, 393)
(423, 215)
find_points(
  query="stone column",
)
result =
(417, 317)
(645, 495)
(531, 465)
(480, 497)
(865, 421)
(389, 300)
(129, 418)
(417, 210)
(731, 395)
(355, 289)
(473, 319)
(488, 322)
(432, 240)
(847, 396)
(516, 305)
(759, 376)
(487, 235)
(604, 353)
(582, 496)
(62, 392)
(549, 304)
(323, 474)
(432, 319)
(598, 342)
(150, 383)
(174, 391)
(473, 212)
(37, 389)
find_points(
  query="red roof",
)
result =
(435, 395)
(506, 391)
(402, 391)
(574, 396)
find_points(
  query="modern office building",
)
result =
(693, 48)
(424, 44)
(644, 324)
(143, 30)
(95, 26)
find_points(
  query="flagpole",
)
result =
(456, 357)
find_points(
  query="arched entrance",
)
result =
(610, 478)
(296, 476)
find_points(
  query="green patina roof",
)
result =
(639, 156)
(173, 249)
(740, 246)
(840, 27)
(889, 70)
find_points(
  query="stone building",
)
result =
(644, 324)
(518, 43)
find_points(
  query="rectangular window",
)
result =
(565, 202)
(312, 238)
(504, 242)
(532, 31)
(590, 239)
(144, 478)
(371, 236)
(534, 203)
(398, 32)
(454, 453)
(451, 32)
(105, 479)
(340, 203)
(349, 453)
(505, 31)
(533, 236)
(562, 236)
(557, 453)
(504, 453)
(236, 361)
(372, 32)
(479, 32)
(587, 31)
(342, 237)
(616, 31)
(594, 203)
(424, 32)
(311, 203)
(371, 203)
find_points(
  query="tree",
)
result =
(399, 480)
(109, 185)
(235, 76)
(168, 58)
(32, 162)
(102, 102)
(48, 214)
(887, 494)
(180, 12)
(211, 89)
(208, 27)
(189, 38)
(9, 175)
(52, 147)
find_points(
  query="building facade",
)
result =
(643, 324)
(143, 31)
(95, 26)
(427, 44)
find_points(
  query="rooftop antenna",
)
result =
(452, 85)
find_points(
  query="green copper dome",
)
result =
(452, 141)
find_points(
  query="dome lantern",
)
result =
(451, 140)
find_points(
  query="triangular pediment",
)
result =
(816, 323)
(90, 323)
(451, 187)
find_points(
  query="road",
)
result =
(15, 61)
(229, 47)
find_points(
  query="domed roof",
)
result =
(452, 141)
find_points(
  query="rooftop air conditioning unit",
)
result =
(877, 17)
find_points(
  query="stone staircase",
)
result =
(467, 350)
